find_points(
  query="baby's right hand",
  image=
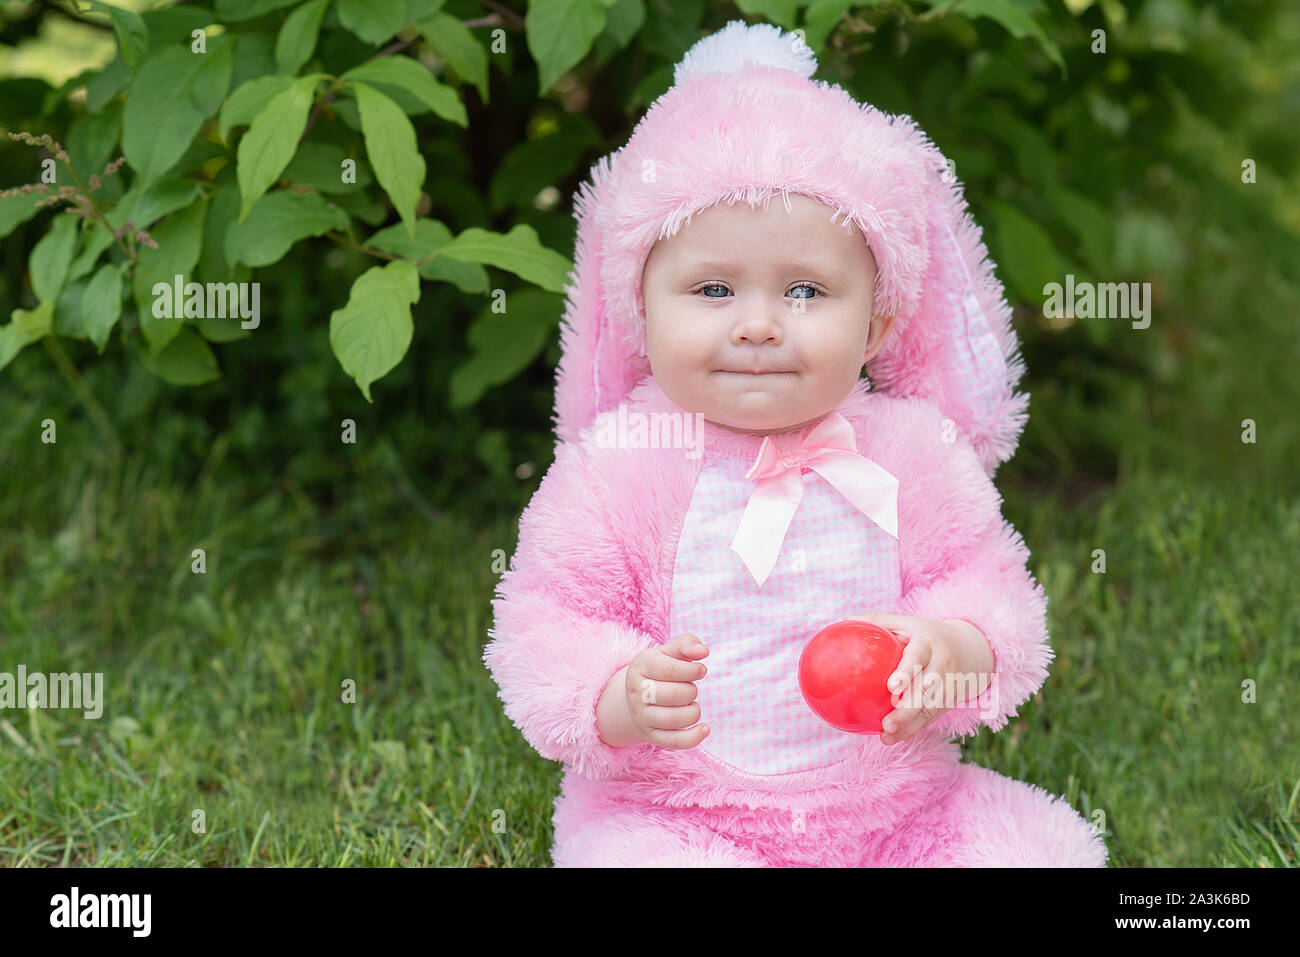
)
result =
(660, 692)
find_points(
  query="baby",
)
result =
(770, 345)
(810, 498)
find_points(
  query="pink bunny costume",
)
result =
(626, 542)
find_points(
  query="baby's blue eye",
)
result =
(804, 285)
(713, 285)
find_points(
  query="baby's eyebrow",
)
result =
(807, 268)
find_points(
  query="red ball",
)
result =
(843, 673)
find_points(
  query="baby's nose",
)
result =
(758, 329)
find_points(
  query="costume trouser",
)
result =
(974, 817)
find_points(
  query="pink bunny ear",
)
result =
(958, 348)
(597, 367)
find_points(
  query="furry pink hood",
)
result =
(744, 121)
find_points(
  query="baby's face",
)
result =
(761, 320)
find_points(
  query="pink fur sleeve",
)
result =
(969, 563)
(559, 634)
(994, 591)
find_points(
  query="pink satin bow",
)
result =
(831, 451)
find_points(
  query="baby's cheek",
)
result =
(690, 355)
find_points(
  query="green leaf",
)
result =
(505, 344)
(559, 34)
(1014, 19)
(780, 12)
(16, 210)
(91, 139)
(372, 20)
(52, 256)
(361, 206)
(219, 329)
(254, 56)
(430, 235)
(1146, 243)
(1026, 254)
(172, 94)
(390, 144)
(346, 111)
(249, 100)
(33, 323)
(232, 11)
(67, 312)
(410, 75)
(23, 329)
(371, 334)
(132, 35)
(101, 303)
(201, 151)
(456, 44)
(823, 16)
(186, 360)
(178, 239)
(271, 141)
(223, 207)
(297, 40)
(1093, 224)
(623, 19)
(107, 83)
(1035, 159)
(168, 25)
(652, 85)
(276, 222)
(533, 165)
(670, 31)
(162, 198)
(154, 201)
(1110, 115)
(493, 450)
(518, 251)
(320, 165)
(97, 239)
(422, 9)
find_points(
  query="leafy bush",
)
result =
(229, 202)
(424, 153)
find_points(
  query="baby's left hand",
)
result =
(938, 656)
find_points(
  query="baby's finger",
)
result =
(668, 668)
(660, 718)
(911, 724)
(670, 694)
(686, 647)
(923, 702)
(679, 740)
(901, 625)
(904, 680)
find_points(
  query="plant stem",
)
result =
(516, 22)
(351, 243)
(84, 394)
(94, 208)
(325, 101)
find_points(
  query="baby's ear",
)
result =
(880, 326)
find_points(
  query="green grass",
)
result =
(223, 690)
(1143, 714)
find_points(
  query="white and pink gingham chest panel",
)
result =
(834, 562)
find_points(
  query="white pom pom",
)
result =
(738, 43)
